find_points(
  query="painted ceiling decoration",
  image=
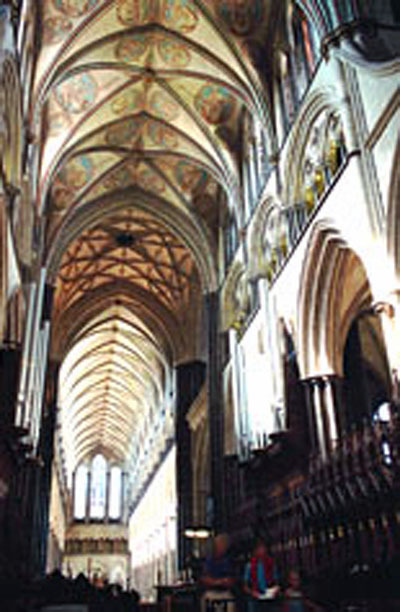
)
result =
(171, 59)
(140, 101)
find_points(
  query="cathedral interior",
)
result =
(200, 290)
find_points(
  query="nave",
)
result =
(199, 304)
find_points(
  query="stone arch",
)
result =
(11, 132)
(319, 18)
(201, 467)
(334, 288)
(10, 179)
(321, 101)
(229, 414)
(234, 303)
(393, 215)
(257, 259)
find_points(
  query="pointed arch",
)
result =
(334, 287)
(231, 307)
(323, 100)
(393, 216)
(256, 236)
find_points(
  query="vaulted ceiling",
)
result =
(138, 107)
(111, 381)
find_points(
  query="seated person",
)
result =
(217, 578)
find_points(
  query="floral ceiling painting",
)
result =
(159, 76)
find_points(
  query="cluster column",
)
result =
(325, 414)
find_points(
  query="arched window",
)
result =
(296, 61)
(115, 493)
(286, 90)
(98, 488)
(81, 479)
(274, 241)
(324, 154)
(304, 53)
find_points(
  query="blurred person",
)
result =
(218, 576)
(295, 600)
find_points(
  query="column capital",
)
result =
(321, 379)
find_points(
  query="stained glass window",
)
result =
(80, 492)
(98, 488)
(115, 493)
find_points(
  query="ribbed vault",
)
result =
(124, 286)
(131, 247)
(112, 380)
(132, 92)
(139, 106)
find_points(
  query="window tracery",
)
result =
(324, 153)
(303, 49)
(81, 477)
(98, 490)
(98, 487)
(274, 241)
(296, 62)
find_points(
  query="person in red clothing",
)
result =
(260, 578)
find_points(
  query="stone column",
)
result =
(20, 419)
(189, 380)
(331, 410)
(254, 177)
(247, 186)
(215, 411)
(260, 153)
(324, 425)
(311, 415)
(320, 417)
(237, 390)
